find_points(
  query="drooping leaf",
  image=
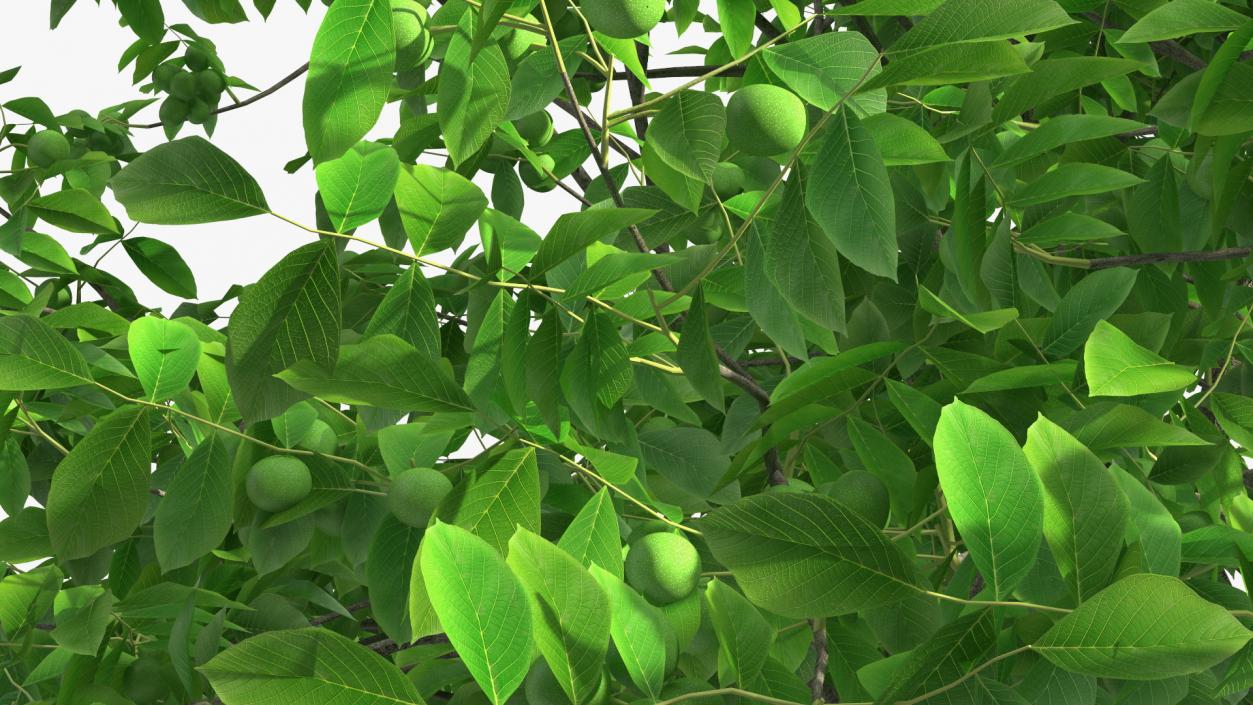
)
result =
(306, 667)
(437, 206)
(185, 182)
(483, 608)
(357, 186)
(34, 356)
(165, 355)
(1143, 627)
(100, 490)
(350, 70)
(993, 495)
(195, 514)
(806, 555)
(1116, 366)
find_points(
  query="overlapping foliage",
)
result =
(946, 403)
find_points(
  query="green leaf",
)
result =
(993, 495)
(34, 356)
(185, 182)
(76, 210)
(473, 93)
(1115, 366)
(291, 314)
(1143, 627)
(1085, 512)
(1073, 179)
(691, 458)
(744, 636)
(687, 133)
(806, 555)
(944, 658)
(902, 142)
(983, 321)
(350, 71)
(850, 197)
(639, 632)
(802, 262)
(827, 67)
(408, 312)
(1052, 77)
(574, 232)
(1096, 297)
(494, 504)
(165, 355)
(1180, 18)
(484, 609)
(357, 186)
(100, 490)
(1025, 377)
(388, 571)
(82, 615)
(162, 265)
(960, 63)
(1062, 130)
(195, 514)
(306, 667)
(570, 613)
(698, 355)
(1069, 228)
(961, 21)
(437, 206)
(592, 536)
(382, 371)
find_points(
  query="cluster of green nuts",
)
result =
(194, 86)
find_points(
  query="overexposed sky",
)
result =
(75, 66)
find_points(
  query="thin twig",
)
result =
(248, 101)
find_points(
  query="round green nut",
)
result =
(728, 180)
(623, 19)
(278, 482)
(764, 120)
(184, 85)
(164, 73)
(197, 59)
(210, 84)
(862, 492)
(47, 147)
(320, 438)
(533, 178)
(536, 128)
(413, 41)
(415, 493)
(199, 112)
(663, 567)
(174, 110)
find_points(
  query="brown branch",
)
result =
(330, 616)
(1163, 257)
(248, 101)
(1169, 49)
(816, 689)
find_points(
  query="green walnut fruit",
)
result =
(759, 172)
(765, 120)
(197, 59)
(533, 178)
(278, 482)
(164, 73)
(415, 493)
(536, 128)
(320, 438)
(184, 85)
(144, 681)
(413, 41)
(174, 110)
(199, 112)
(862, 492)
(663, 567)
(210, 84)
(623, 19)
(47, 147)
(728, 180)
